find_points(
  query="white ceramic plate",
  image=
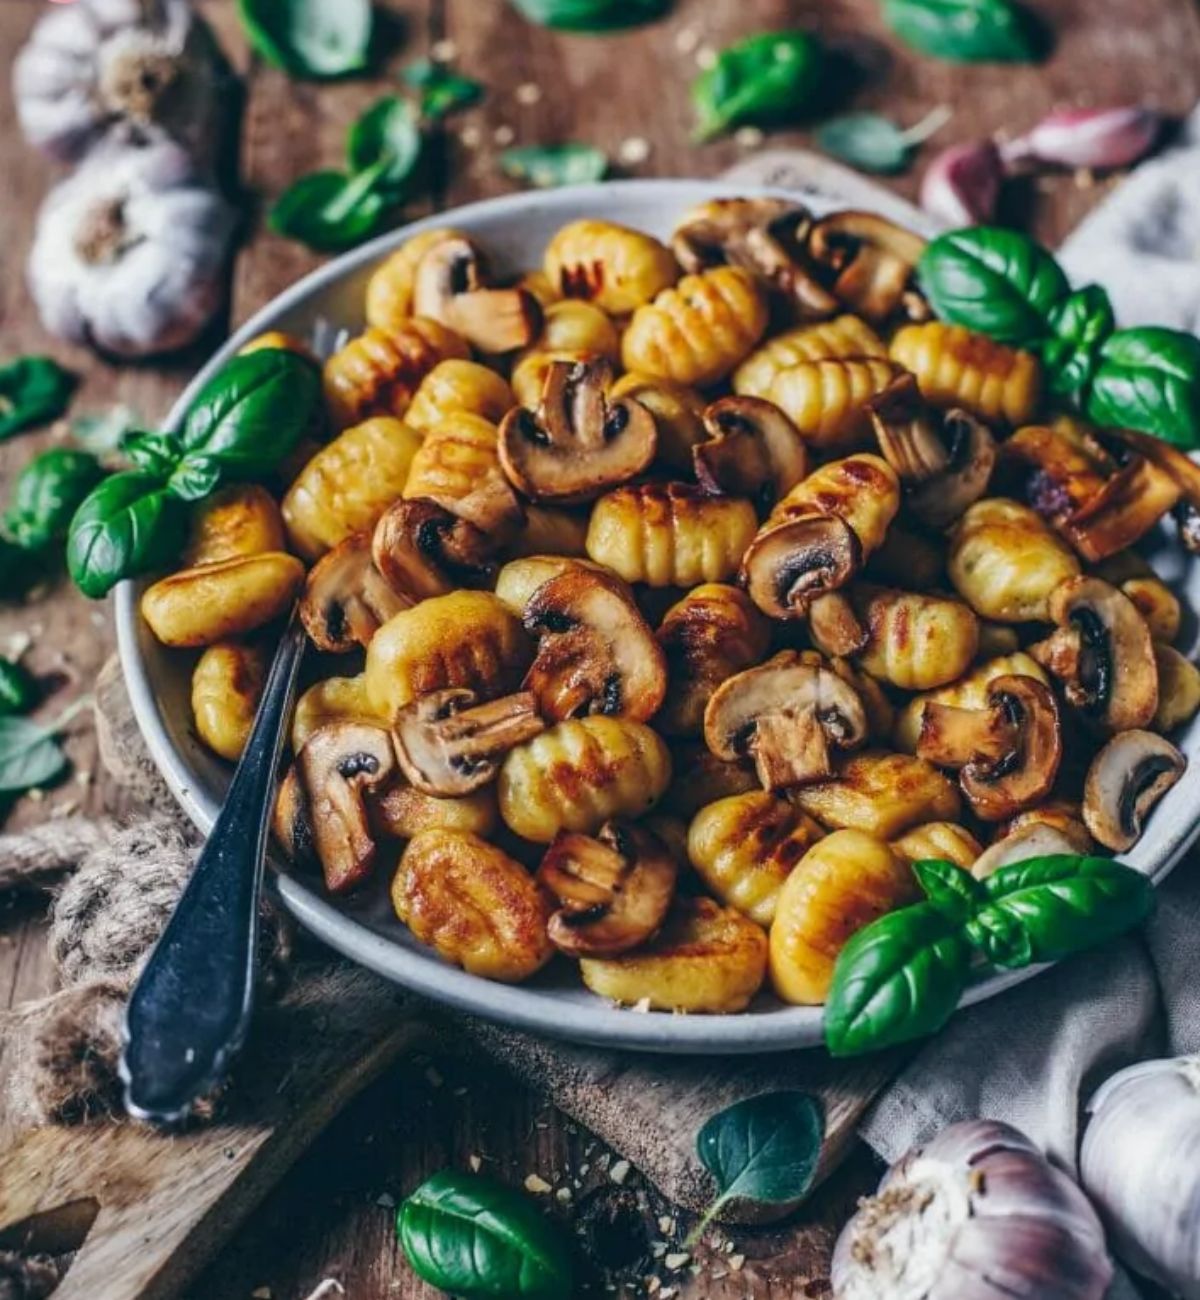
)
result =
(515, 230)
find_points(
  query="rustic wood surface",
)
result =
(331, 1219)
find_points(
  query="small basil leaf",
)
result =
(33, 390)
(954, 892)
(1079, 325)
(442, 90)
(473, 1237)
(309, 38)
(105, 431)
(874, 144)
(770, 77)
(330, 211)
(18, 690)
(194, 478)
(20, 568)
(591, 15)
(555, 164)
(251, 414)
(155, 453)
(29, 755)
(897, 979)
(965, 31)
(386, 139)
(1149, 379)
(128, 525)
(993, 280)
(47, 493)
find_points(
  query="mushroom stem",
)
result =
(835, 628)
(790, 748)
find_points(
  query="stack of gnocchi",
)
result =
(672, 600)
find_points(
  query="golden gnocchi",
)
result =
(616, 268)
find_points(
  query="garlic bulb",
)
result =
(977, 1214)
(1088, 137)
(1140, 1163)
(147, 67)
(129, 251)
(961, 186)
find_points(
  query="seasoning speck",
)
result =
(471, 137)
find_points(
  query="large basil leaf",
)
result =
(250, 415)
(1149, 379)
(473, 1237)
(18, 690)
(1047, 908)
(310, 38)
(768, 77)
(1079, 325)
(33, 390)
(898, 978)
(964, 31)
(591, 15)
(128, 525)
(47, 493)
(993, 280)
(330, 211)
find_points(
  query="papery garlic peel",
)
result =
(961, 186)
(1087, 137)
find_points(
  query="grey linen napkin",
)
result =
(1035, 1054)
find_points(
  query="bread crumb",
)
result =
(687, 39)
(677, 1260)
(748, 137)
(445, 51)
(528, 92)
(641, 1007)
(537, 1185)
(706, 58)
(619, 1172)
(504, 135)
(475, 1163)
(736, 1261)
(666, 1225)
(634, 150)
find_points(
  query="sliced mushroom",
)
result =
(424, 550)
(872, 260)
(1182, 469)
(1126, 779)
(1059, 814)
(786, 715)
(613, 889)
(579, 442)
(945, 460)
(449, 287)
(447, 744)
(338, 765)
(835, 627)
(1008, 753)
(1187, 516)
(1102, 652)
(596, 653)
(786, 567)
(1123, 511)
(753, 450)
(1034, 840)
(346, 599)
(1053, 469)
(292, 821)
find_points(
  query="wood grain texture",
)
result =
(325, 1221)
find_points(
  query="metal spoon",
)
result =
(189, 1012)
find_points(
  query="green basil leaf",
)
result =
(385, 140)
(554, 164)
(897, 979)
(194, 478)
(47, 493)
(104, 432)
(310, 38)
(591, 15)
(993, 280)
(1050, 907)
(251, 415)
(33, 390)
(154, 453)
(954, 892)
(473, 1237)
(770, 77)
(128, 525)
(873, 143)
(1079, 325)
(330, 211)
(443, 91)
(965, 31)
(29, 755)
(18, 690)
(1149, 379)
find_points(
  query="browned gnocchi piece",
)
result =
(915, 641)
(616, 268)
(827, 400)
(227, 684)
(844, 338)
(943, 841)
(240, 519)
(458, 387)
(882, 794)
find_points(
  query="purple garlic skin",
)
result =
(1087, 137)
(961, 186)
(977, 1214)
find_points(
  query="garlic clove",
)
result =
(961, 186)
(1087, 137)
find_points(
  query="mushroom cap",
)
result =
(1123, 511)
(596, 653)
(449, 286)
(1024, 775)
(613, 889)
(347, 599)
(1126, 779)
(424, 550)
(1033, 840)
(753, 450)
(578, 443)
(871, 258)
(788, 565)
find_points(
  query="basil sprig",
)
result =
(965, 31)
(33, 390)
(1079, 325)
(768, 77)
(310, 38)
(901, 977)
(1149, 379)
(474, 1238)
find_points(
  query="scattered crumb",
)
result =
(677, 1260)
(658, 1249)
(687, 39)
(736, 1262)
(1085, 178)
(504, 135)
(528, 92)
(564, 1195)
(16, 645)
(619, 1172)
(443, 51)
(66, 808)
(652, 1285)
(475, 1162)
(666, 1225)
(471, 137)
(329, 1287)
(748, 137)
(35, 795)
(537, 1185)
(642, 1007)
(584, 1168)
(706, 57)
(386, 1200)
(666, 1293)
(83, 776)
(261, 1293)
(634, 150)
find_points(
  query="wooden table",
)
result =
(332, 1217)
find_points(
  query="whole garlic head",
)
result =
(976, 1214)
(142, 67)
(129, 251)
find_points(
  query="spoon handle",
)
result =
(189, 1012)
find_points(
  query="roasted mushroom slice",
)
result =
(870, 258)
(1008, 753)
(1054, 469)
(1187, 516)
(786, 567)
(424, 550)
(1123, 511)
(338, 765)
(596, 653)
(835, 627)
(1126, 779)
(291, 821)
(579, 442)
(613, 889)
(447, 744)
(346, 599)
(1033, 840)
(753, 450)
(1102, 652)
(786, 715)
(449, 287)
